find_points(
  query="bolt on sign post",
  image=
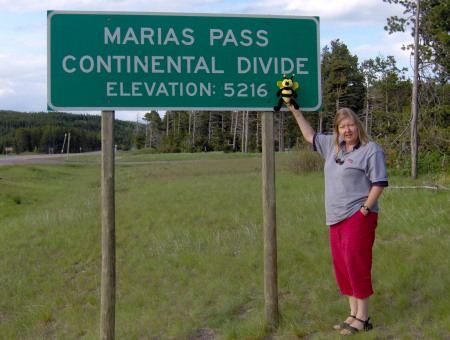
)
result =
(141, 61)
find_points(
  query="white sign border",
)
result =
(51, 13)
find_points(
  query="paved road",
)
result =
(41, 159)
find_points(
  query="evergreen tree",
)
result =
(430, 24)
(342, 81)
(434, 25)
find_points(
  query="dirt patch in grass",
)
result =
(203, 334)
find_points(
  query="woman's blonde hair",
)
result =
(342, 114)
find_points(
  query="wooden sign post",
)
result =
(269, 215)
(108, 281)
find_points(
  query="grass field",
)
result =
(190, 252)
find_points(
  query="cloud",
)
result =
(336, 12)
(391, 46)
(104, 5)
(23, 67)
(6, 88)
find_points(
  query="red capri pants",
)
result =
(351, 250)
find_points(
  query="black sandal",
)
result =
(343, 325)
(367, 326)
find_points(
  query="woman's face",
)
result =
(348, 131)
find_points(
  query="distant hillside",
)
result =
(45, 132)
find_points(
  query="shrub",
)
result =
(304, 161)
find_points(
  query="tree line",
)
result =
(48, 132)
(376, 89)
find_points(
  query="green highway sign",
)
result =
(141, 61)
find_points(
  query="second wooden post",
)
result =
(108, 281)
(269, 212)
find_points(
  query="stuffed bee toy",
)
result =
(287, 92)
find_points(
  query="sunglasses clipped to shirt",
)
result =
(342, 161)
(339, 161)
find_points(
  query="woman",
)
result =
(355, 176)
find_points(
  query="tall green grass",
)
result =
(190, 253)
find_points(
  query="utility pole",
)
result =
(68, 146)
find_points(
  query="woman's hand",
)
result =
(290, 107)
(364, 211)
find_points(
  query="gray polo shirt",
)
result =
(347, 185)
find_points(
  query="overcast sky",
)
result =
(23, 34)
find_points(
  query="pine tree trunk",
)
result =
(193, 128)
(235, 127)
(415, 96)
(167, 123)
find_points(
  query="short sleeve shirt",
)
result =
(347, 185)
